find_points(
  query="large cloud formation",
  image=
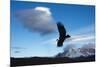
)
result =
(38, 20)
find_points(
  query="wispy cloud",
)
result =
(80, 38)
(17, 51)
(16, 47)
(82, 35)
(74, 39)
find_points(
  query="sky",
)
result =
(33, 29)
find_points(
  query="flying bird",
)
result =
(62, 34)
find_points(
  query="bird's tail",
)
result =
(68, 36)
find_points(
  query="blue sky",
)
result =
(78, 20)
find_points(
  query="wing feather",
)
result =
(61, 29)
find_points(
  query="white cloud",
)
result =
(38, 19)
(44, 9)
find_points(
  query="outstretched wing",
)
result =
(61, 29)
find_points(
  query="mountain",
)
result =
(72, 52)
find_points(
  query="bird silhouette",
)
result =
(62, 34)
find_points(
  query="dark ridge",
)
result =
(48, 60)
